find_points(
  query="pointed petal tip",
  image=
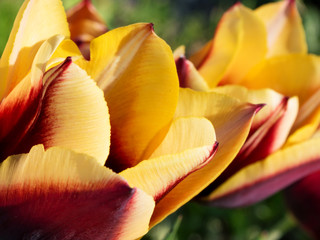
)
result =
(151, 25)
(258, 107)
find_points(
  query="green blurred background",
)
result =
(192, 23)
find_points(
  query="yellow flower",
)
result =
(261, 56)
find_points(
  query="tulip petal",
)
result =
(33, 25)
(186, 133)
(134, 68)
(73, 114)
(277, 73)
(304, 82)
(20, 108)
(303, 200)
(189, 77)
(60, 194)
(284, 28)
(85, 24)
(262, 179)
(188, 146)
(232, 121)
(238, 45)
(271, 125)
(159, 176)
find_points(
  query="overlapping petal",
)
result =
(275, 172)
(135, 69)
(284, 28)
(60, 194)
(33, 25)
(240, 35)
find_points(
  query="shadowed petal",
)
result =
(135, 69)
(262, 179)
(59, 194)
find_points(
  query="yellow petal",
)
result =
(158, 176)
(136, 71)
(33, 25)
(73, 113)
(186, 133)
(290, 75)
(70, 193)
(232, 121)
(284, 28)
(261, 179)
(189, 77)
(238, 45)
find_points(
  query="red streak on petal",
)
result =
(266, 185)
(16, 118)
(171, 185)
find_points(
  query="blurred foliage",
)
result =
(192, 23)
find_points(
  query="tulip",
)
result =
(57, 125)
(261, 56)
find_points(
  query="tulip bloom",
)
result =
(261, 56)
(56, 121)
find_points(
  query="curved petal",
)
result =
(20, 108)
(271, 125)
(158, 176)
(232, 121)
(277, 73)
(73, 114)
(85, 24)
(186, 133)
(284, 28)
(59, 194)
(136, 71)
(189, 77)
(303, 200)
(262, 179)
(238, 45)
(290, 75)
(32, 26)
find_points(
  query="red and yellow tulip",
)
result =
(260, 56)
(68, 122)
